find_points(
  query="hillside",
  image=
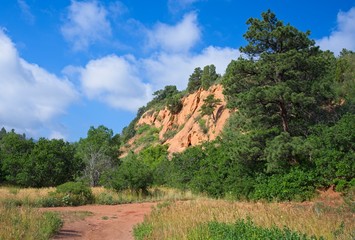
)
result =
(188, 127)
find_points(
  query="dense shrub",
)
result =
(333, 150)
(132, 174)
(70, 194)
(297, 184)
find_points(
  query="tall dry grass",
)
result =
(27, 223)
(23, 196)
(175, 221)
(35, 196)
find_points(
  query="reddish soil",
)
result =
(105, 222)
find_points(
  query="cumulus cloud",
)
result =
(344, 34)
(174, 69)
(85, 24)
(127, 83)
(115, 81)
(30, 96)
(176, 38)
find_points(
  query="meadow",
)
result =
(183, 215)
(323, 218)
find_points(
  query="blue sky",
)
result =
(68, 65)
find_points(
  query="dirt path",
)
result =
(101, 222)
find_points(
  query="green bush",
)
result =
(69, 194)
(243, 229)
(143, 128)
(295, 185)
(203, 125)
(132, 174)
(174, 104)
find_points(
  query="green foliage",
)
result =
(298, 185)
(154, 157)
(164, 94)
(51, 163)
(142, 231)
(99, 152)
(209, 76)
(203, 125)
(130, 131)
(283, 152)
(333, 150)
(143, 128)
(283, 82)
(345, 77)
(244, 229)
(74, 194)
(37, 164)
(209, 105)
(194, 80)
(169, 97)
(15, 150)
(149, 136)
(184, 166)
(202, 78)
(169, 134)
(174, 104)
(50, 225)
(132, 174)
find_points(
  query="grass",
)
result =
(177, 220)
(244, 229)
(19, 220)
(40, 197)
(27, 223)
(109, 197)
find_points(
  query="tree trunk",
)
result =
(283, 115)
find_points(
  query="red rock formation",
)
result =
(186, 123)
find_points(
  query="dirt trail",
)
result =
(105, 222)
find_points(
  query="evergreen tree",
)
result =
(282, 82)
(209, 76)
(195, 80)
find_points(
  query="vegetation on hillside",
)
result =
(290, 133)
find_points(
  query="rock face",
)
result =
(188, 127)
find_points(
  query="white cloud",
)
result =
(86, 23)
(124, 82)
(30, 96)
(115, 81)
(344, 34)
(56, 135)
(175, 69)
(26, 11)
(176, 38)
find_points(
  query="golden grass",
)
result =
(33, 196)
(106, 196)
(23, 196)
(26, 223)
(176, 220)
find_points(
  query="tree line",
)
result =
(290, 133)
